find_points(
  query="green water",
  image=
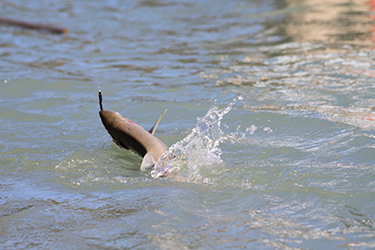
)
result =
(270, 123)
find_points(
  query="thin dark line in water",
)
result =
(96, 78)
(89, 23)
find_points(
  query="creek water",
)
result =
(270, 125)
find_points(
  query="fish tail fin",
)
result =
(100, 100)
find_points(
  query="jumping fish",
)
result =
(129, 135)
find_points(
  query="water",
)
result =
(270, 125)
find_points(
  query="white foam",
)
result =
(199, 150)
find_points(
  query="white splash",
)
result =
(198, 151)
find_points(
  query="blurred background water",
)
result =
(270, 116)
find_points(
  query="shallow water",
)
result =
(270, 125)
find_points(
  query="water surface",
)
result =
(270, 123)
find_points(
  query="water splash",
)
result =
(199, 151)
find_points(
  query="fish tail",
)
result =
(100, 100)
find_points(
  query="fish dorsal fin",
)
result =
(152, 130)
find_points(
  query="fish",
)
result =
(131, 136)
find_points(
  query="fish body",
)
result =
(129, 135)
